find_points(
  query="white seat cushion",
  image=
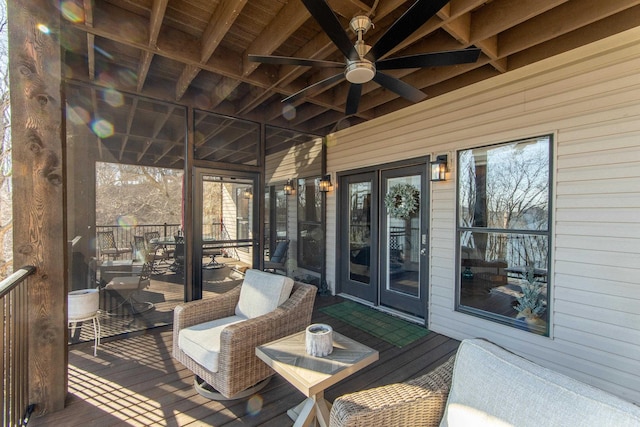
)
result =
(202, 342)
(262, 292)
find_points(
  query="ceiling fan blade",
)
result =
(434, 59)
(323, 14)
(419, 13)
(320, 84)
(353, 99)
(403, 89)
(286, 60)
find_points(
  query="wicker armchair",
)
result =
(418, 402)
(239, 369)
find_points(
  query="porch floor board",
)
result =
(135, 382)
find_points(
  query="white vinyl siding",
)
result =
(589, 99)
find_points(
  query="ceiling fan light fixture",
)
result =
(359, 72)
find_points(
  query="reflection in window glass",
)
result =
(310, 235)
(360, 231)
(503, 232)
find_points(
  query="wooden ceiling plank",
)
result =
(558, 21)
(459, 28)
(222, 19)
(609, 26)
(499, 15)
(286, 22)
(121, 27)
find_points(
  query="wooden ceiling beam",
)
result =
(158, 10)
(221, 20)
(91, 39)
(286, 22)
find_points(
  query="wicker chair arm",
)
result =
(419, 402)
(204, 310)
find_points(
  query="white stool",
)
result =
(96, 328)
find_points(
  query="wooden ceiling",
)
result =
(194, 52)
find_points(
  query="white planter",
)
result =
(319, 340)
(83, 303)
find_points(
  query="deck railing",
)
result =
(124, 234)
(14, 347)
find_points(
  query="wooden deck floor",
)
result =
(134, 382)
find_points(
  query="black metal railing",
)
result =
(14, 344)
(123, 235)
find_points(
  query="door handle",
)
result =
(423, 251)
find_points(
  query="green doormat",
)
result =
(386, 327)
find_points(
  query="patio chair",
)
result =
(278, 261)
(156, 254)
(178, 255)
(127, 286)
(107, 245)
(216, 337)
(139, 248)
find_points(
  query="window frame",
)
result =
(303, 222)
(460, 229)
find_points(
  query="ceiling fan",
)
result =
(362, 63)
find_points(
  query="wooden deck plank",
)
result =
(135, 381)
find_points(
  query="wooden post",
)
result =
(38, 194)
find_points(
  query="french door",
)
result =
(225, 227)
(384, 238)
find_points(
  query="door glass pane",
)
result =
(402, 203)
(360, 232)
(226, 238)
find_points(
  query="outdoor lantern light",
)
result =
(288, 187)
(439, 168)
(325, 184)
(247, 193)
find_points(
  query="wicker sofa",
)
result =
(237, 368)
(485, 385)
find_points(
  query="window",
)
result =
(503, 232)
(276, 214)
(310, 235)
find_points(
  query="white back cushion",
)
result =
(493, 387)
(262, 292)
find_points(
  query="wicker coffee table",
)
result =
(313, 375)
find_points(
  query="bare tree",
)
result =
(6, 220)
(137, 194)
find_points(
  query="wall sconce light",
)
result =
(325, 184)
(439, 168)
(247, 193)
(288, 187)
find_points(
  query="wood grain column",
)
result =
(38, 192)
